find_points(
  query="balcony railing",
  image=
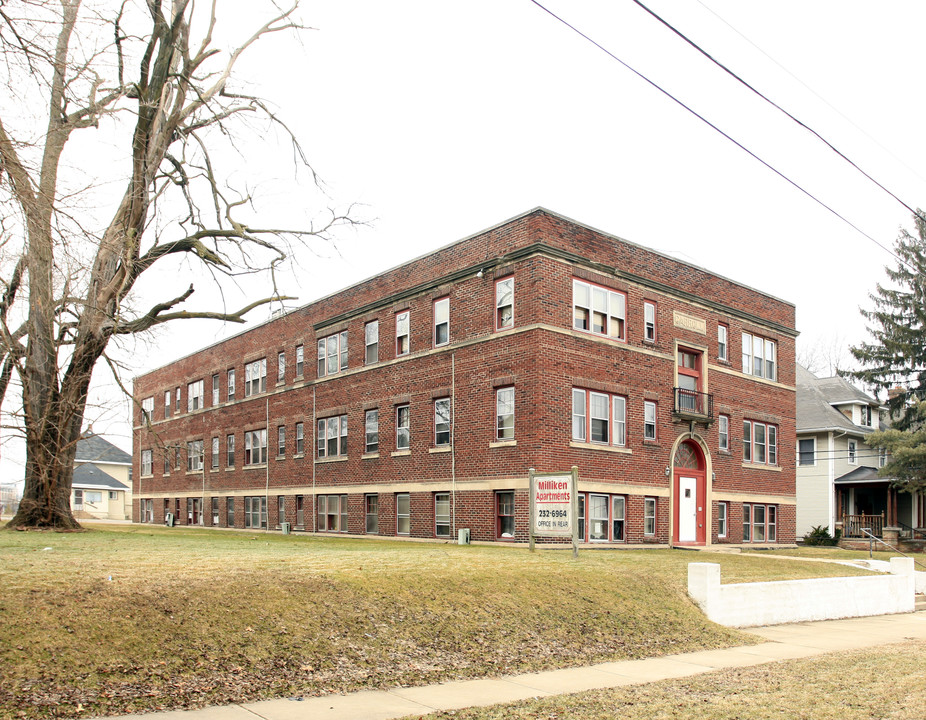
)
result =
(852, 525)
(692, 404)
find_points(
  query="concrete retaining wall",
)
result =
(773, 603)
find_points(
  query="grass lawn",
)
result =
(886, 682)
(132, 618)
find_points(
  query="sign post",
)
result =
(554, 506)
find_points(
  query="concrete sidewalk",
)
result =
(783, 642)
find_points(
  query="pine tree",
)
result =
(894, 362)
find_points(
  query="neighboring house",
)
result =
(102, 486)
(415, 403)
(837, 471)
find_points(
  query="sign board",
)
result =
(554, 505)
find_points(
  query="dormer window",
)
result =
(865, 411)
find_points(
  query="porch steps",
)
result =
(919, 603)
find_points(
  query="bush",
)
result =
(820, 535)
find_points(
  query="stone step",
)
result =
(919, 603)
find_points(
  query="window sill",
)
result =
(195, 472)
(229, 468)
(215, 469)
(280, 457)
(150, 475)
(401, 453)
(335, 459)
(259, 466)
(596, 446)
(651, 443)
(298, 456)
(759, 466)
(503, 443)
(369, 456)
(442, 449)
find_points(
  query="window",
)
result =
(300, 438)
(194, 396)
(442, 422)
(300, 511)
(723, 432)
(255, 377)
(598, 310)
(281, 509)
(442, 515)
(78, 499)
(759, 357)
(882, 457)
(592, 415)
(166, 404)
(723, 342)
(146, 468)
(177, 400)
(332, 354)
(113, 495)
(649, 420)
(93, 497)
(504, 304)
(231, 384)
(332, 436)
(402, 428)
(865, 412)
(504, 413)
(215, 453)
(215, 511)
(722, 519)
(177, 454)
(504, 511)
(371, 342)
(581, 518)
(194, 455)
(255, 447)
(230, 512)
(371, 510)
(255, 512)
(281, 367)
(147, 510)
(618, 508)
(166, 461)
(230, 451)
(402, 514)
(441, 322)
(771, 528)
(215, 389)
(402, 346)
(300, 360)
(281, 440)
(649, 321)
(649, 516)
(598, 517)
(332, 513)
(147, 409)
(760, 443)
(371, 431)
(853, 452)
(760, 523)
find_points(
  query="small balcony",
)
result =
(693, 405)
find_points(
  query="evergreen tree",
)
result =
(894, 362)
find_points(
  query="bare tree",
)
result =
(68, 288)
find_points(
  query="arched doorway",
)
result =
(689, 489)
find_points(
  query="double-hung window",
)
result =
(402, 427)
(723, 432)
(215, 389)
(332, 354)
(853, 452)
(332, 436)
(229, 451)
(402, 514)
(300, 438)
(231, 384)
(332, 513)
(255, 377)
(760, 357)
(504, 413)
(371, 510)
(147, 410)
(760, 443)
(255, 447)
(194, 455)
(166, 404)
(649, 321)
(281, 440)
(649, 516)
(281, 367)
(504, 512)
(504, 303)
(300, 360)
(402, 345)
(194, 395)
(230, 512)
(215, 453)
(442, 422)
(371, 431)
(649, 420)
(598, 310)
(177, 400)
(146, 468)
(806, 451)
(371, 342)
(723, 342)
(599, 417)
(255, 512)
(442, 514)
(441, 322)
(722, 519)
(760, 523)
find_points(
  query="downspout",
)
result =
(453, 445)
(267, 462)
(314, 450)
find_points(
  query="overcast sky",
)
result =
(444, 118)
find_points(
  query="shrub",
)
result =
(820, 535)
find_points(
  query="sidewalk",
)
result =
(783, 642)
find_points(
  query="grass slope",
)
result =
(135, 618)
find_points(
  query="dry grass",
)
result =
(134, 618)
(886, 682)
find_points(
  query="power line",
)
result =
(714, 127)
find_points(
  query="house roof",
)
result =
(862, 474)
(95, 449)
(88, 475)
(816, 398)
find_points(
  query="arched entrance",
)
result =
(690, 492)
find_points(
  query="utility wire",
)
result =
(718, 130)
(772, 103)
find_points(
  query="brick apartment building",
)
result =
(414, 403)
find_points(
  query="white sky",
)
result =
(445, 118)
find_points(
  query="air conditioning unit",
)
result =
(463, 536)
